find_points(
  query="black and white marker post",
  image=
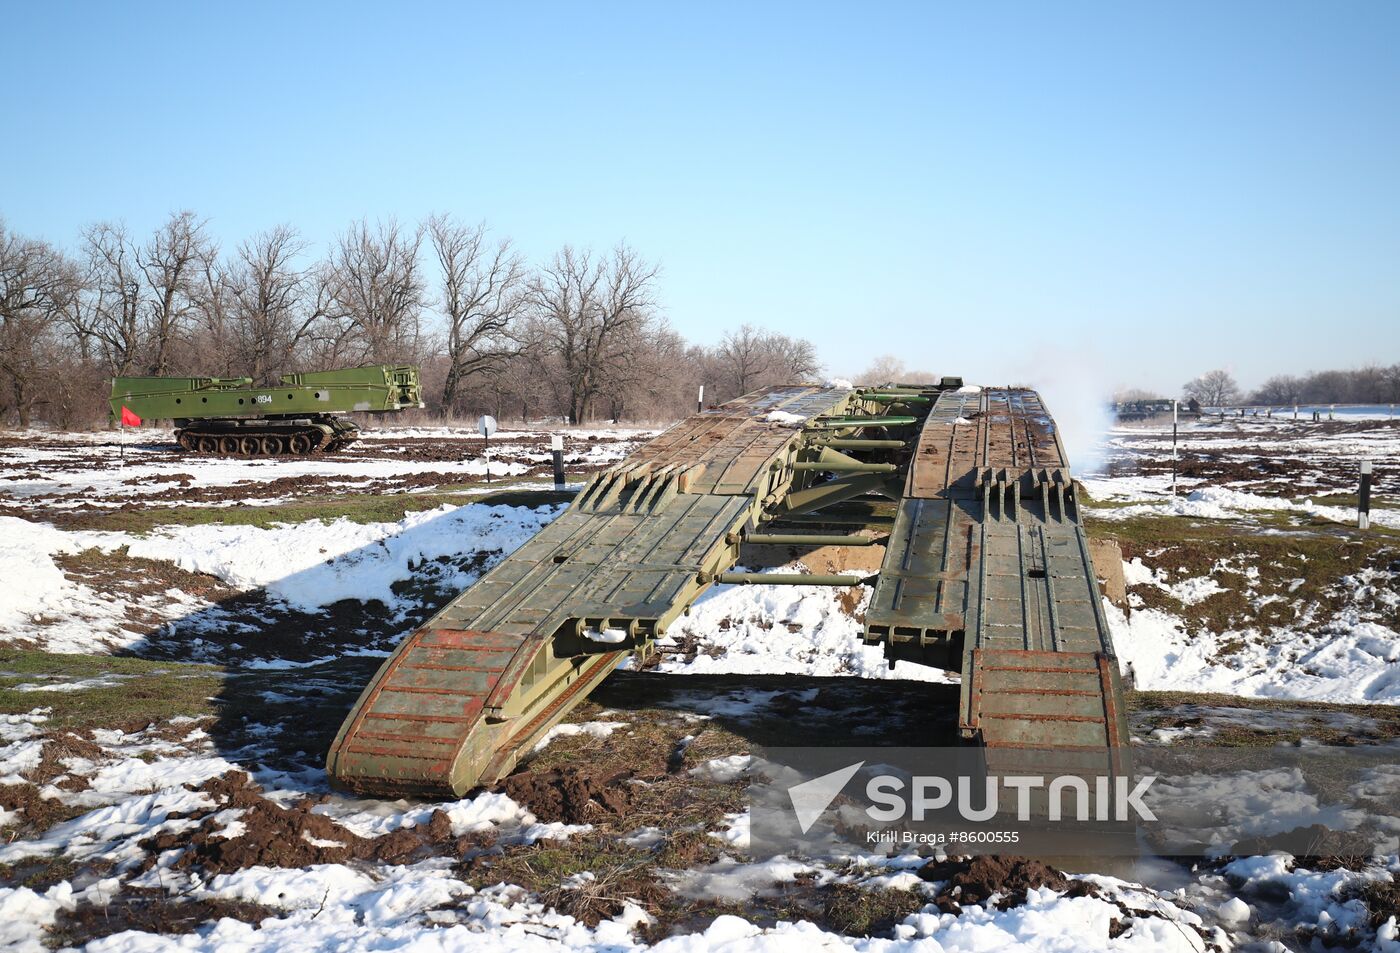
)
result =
(700, 401)
(557, 445)
(1173, 448)
(487, 426)
(1363, 505)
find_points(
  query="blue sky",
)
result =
(1140, 190)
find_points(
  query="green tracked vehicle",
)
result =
(300, 416)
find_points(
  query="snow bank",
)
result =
(1346, 659)
(778, 630)
(306, 565)
(1220, 503)
(314, 564)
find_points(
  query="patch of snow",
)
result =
(594, 729)
(1346, 659)
(736, 830)
(606, 636)
(724, 770)
(782, 630)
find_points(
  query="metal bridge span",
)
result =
(986, 571)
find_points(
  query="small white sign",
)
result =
(487, 425)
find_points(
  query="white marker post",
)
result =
(557, 445)
(487, 426)
(1173, 448)
(1363, 505)
(700, 401)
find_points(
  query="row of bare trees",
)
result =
(581, 336)
(1372, 384)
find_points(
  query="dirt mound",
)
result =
(63, 745)
(267, 834)
(976, 879)
(569, 794)
(40, 813)
(1333, 849)
(149, 911)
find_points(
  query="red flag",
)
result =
(129, 419)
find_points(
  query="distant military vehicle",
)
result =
(300, 416)
(1154, 409)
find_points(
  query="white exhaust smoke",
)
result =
(1077, 392)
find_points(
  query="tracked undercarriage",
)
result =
(267, 436)
(986, 571)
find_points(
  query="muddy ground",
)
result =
(1270, 456)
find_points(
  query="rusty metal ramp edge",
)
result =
(1014, 698)
(432, 720)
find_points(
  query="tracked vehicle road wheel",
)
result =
(248, 446)
(208, 444)
(228, 444)
(270, 446)
(300, 443)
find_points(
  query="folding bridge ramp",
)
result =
(986, 571)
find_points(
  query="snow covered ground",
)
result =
(151, 813)
(1293, 603)
(48, 470)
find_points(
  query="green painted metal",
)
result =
(833, 519)
(787, 579)
(845, 423)
(859, 443)
(843, 466)
(885, 397)
(376, 389)
(985, 571)
(300, 415)
(807, 539)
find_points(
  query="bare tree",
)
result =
(1213, 389)
(646, 382)
(114, 282)
(170, 263)
(275, 304)
(376, 288)
(1390, 382)
(482, 297)
(589, 311)
(793, 360)
(35, 284)
(750, 358)
(1279, 389)
(741, 356)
